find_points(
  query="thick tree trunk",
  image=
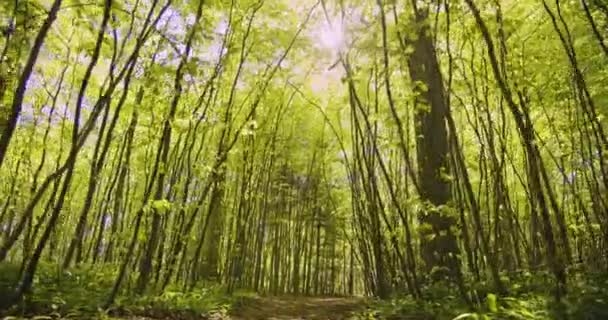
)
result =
(438, 243)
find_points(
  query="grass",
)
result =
(530, 298)
(79, 293)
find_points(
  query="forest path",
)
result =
(296, 308)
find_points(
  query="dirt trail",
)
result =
(296, 308)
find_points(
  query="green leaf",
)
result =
(162, 206)
(491, 301)
(467, 316)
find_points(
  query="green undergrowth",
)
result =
(79, 293)
(530, 298)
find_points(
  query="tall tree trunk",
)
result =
(438, 242)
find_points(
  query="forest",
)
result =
(303, 159)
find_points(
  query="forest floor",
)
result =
(79, 293)
(288, 308)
